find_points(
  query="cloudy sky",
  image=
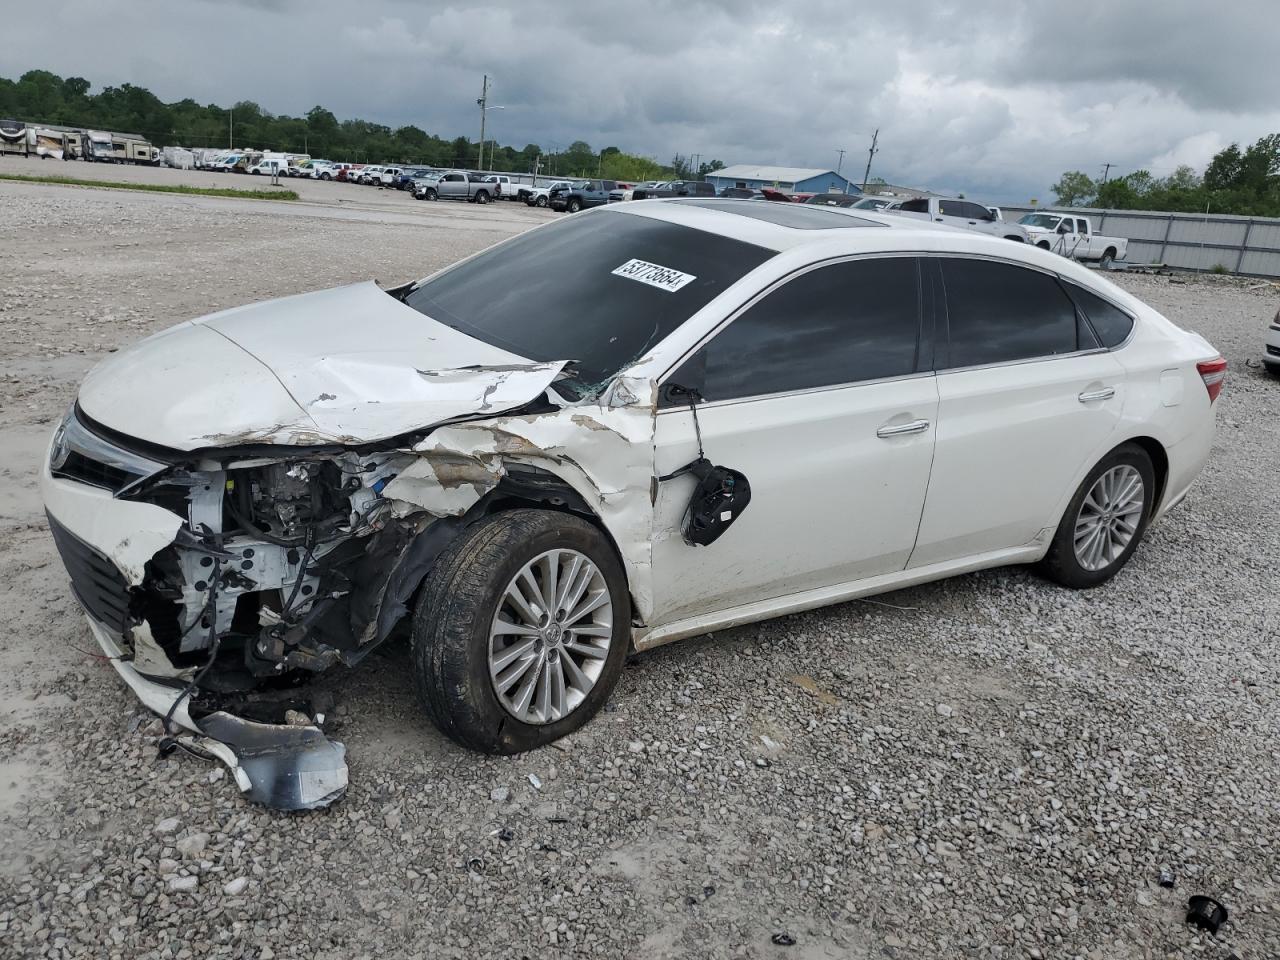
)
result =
(994, 98)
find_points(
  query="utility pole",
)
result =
(484, 105)
(231, 126)
(840, 162)
(1106, 169)
(866, 174)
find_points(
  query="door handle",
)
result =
(902, 429)
(1104, 394)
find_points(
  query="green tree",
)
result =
(1075, 189)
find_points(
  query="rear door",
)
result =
(452, 185)
(1028, 399)
(821, 394)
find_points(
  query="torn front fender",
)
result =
(602, 449)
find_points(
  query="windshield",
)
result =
(598, 290)
(1042, 220)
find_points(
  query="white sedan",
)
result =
(670, 418)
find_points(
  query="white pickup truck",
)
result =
(1073, 236)
(960, 213)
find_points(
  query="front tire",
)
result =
(1105, 520)
(574, 205)
(429, 194)
(541, 202)
(496, 668)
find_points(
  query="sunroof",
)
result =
(794, 215)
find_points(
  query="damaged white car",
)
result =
(668, 418)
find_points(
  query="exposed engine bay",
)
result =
(267, 568)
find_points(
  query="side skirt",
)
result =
(646, 638)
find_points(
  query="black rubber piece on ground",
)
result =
(456, 608)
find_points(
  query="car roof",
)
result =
(743, 220)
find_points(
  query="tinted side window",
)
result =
(839, 324)
(975, 211)
(915, 206)
(1111, 323)
(999, 312)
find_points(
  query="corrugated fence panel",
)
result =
(1222, 232)
(1186, 241)
(1261, 263)
(1135, 228)
(1265, 233)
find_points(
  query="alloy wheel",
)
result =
(1109, 517)
(550, 636)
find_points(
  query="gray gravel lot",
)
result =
(985, 767)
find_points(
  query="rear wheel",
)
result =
(521, 630)
(482, 197)
(1014, 237)
(1105, 520)
(1108, 257)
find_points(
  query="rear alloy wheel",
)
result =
(1105, 520)
(482, 197)
(521, 630)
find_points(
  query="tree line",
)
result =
(1241, 182)
(39, 96)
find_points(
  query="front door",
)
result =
(821, 394)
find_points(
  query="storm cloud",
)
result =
(994, 99)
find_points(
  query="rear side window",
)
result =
(1111, 323)
(998, 312)
(844, 323)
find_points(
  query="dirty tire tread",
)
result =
(1060, 564)
(444, 624)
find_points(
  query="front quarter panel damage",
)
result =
(603, 450)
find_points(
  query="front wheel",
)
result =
(1043, 244)
(429, 194)
(574, 205)
(1105, 520)
(541, 202)
(521, 630)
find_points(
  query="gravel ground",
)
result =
(985, 767)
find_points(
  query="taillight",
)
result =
(1213, 373)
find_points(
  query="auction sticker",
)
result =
(655, 275)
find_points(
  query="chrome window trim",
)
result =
(1042, 358)
(921, 254)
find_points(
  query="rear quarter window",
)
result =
(1111, 323)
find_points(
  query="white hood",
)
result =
(347, 365)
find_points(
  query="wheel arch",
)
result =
(1159, 463)
(521, 487)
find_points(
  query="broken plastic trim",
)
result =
(283, 767)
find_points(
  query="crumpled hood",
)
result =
(347, 365)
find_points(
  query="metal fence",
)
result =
(1186, 241)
